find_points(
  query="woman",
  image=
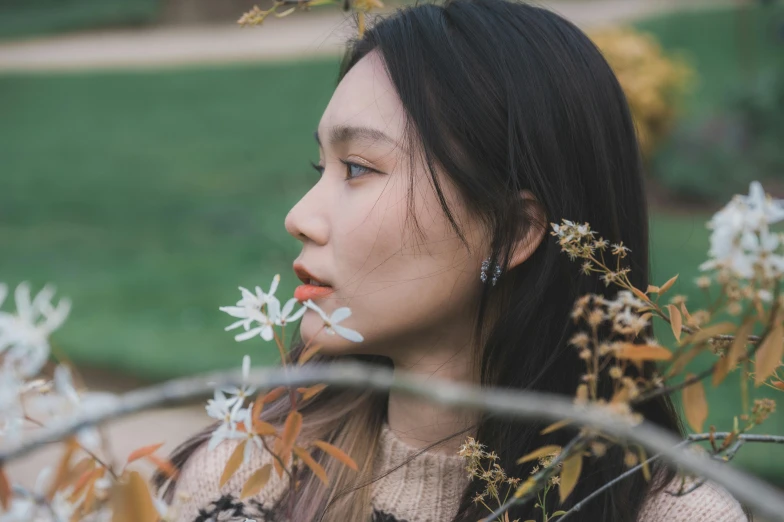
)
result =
(455, 135)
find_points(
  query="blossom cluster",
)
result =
(260, 312)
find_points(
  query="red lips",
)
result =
(309, 291)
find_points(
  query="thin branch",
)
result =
(696, 437)
(520, 404)
(542, 476)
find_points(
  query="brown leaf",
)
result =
(676, 321)
(336, 453)
(778, 384)
(685, 358)
(555, 426)
(256, 481)
(309, 353)
(642, 352)
(85, 481)
(541, 452)
(720, 370)
(739, 343)
(5, 490)
(131, 501)
(694, 404)
(62, 468)
(314, 466)
(291, 430)
(274, 394)
(666, 286)
(709, 331)
(78, 470)
(686, 313)
(165, 465)
(570, 473)
(652, 289)
(143, 452)
(768, 356)
(264, 428)
(312, 391)
(639, 293)
(233, 464)
(646, 470)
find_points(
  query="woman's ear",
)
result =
(529, 241)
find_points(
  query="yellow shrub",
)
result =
(653, 81)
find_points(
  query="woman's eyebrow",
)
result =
(345, 133)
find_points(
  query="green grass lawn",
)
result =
(725, 46)
(28, 18)
(148, 197)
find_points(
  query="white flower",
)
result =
(741, 241)
(25, 335)
(252, 439)
(244, 391)
(286, 316)
(331, 322)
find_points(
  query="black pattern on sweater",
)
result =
(230, 509)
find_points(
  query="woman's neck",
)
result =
(420, 422)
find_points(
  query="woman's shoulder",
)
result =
(199, 496)
(692, 500)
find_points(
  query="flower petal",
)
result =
(340, 314)
(348, 333)
(249, 334)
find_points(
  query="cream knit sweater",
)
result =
(427, 489)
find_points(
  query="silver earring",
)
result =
(483, 272)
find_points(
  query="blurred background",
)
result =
(150, 149)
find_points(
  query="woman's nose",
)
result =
(307, 221)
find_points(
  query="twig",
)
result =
(542, 476)
(520, 404)
(697, 437)
(709, 371)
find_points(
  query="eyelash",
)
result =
(348, 164)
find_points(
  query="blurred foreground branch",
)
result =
(757, 494)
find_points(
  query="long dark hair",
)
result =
(505, 97)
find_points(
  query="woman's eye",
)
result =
(354, 170)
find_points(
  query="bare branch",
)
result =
(759, 495)
(697, 437)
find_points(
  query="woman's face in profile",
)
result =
(357, 235)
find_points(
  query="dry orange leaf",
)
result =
(131, 501)
(309, 353)
(652, 289)
(143, 452)
(694, 404)
(165, 465)
(642, 352)
(541, 452)
(264, 428)
(555, 426)
(274, 394)
(85, 481)
(639, 293)
(233, 464)
(291, 430)
(646, 470)
(769, 354)
(739, 343)
(63, 468)
(686, 313)
(676, 321)
(778, 384)
(314, 466)
(311, 391)
(666, 286)
(5, 490)
(570, 473)
(336, 453)
(709, 331)
(256, 481)
(80, 469)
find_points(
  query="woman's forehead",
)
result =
(365, 97)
